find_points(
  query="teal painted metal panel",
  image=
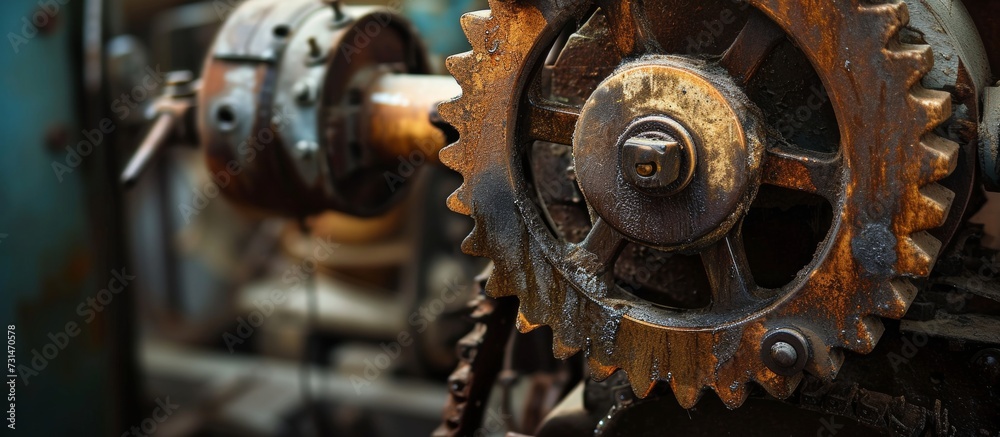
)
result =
(50, 258)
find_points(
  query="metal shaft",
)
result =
(398, 110)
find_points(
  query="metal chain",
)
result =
(481, 358)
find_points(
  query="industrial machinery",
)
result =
(315, 121)
(742, 199)
(765, 203)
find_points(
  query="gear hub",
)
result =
(712, 142)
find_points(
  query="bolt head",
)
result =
(785, 351)
(784, 354)
(657, 156)
(654, 158)
(646, 169)
(987, 365)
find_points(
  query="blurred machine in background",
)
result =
(251, 312)
(315, 237)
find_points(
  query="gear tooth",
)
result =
(560, 349)
(600, 372)
(911, 61)
(687, 395)
(523, 324)
(475, 26)
(902, 12)
(498, 286)
(940, 158)
(931, 208)
(456, 202)
(825, 363)
(868, 330)
(451, 111)
(925, 208)
(781, 387)
(734, 394)
(453, 156)
(641, 366)
(897, 297)
(936, 105)
(892, 16)
(562, 342)
(917, 254)
(461, 67)
(642, 381)
(898, 10)
(469, 243)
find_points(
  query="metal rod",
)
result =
(148, 150)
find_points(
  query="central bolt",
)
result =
(645, 170)
(657, 156)
(653, 154)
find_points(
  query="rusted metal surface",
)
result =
(984, 14)
(989, 148)
(961, 67)
(700, 109)
(481, 354)
(965, 327)
(879, 177)
(821, 403)
(306, 110)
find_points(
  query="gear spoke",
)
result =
(552, 122)
(729, 272)
(802, 170)
(606, 242)
(630, 28)
(755, 42)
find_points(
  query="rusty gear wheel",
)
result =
(669, 152)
